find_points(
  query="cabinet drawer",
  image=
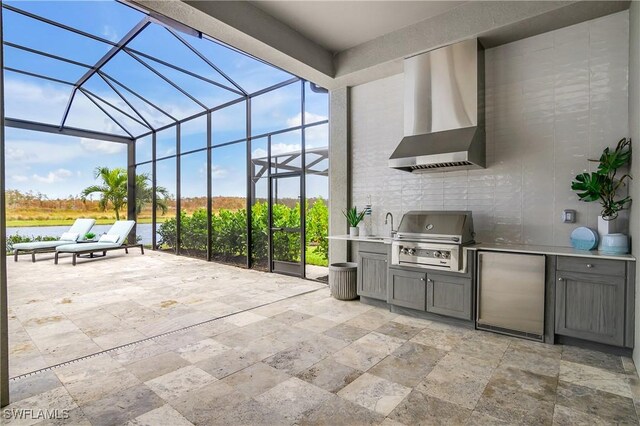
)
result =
(596, 266)
(370, 247)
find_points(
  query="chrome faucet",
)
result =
(386, 222)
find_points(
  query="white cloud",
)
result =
(218, 172)
(309, 117)
(102, 147)
(110, 33)
(259, 153)
(284, 148)
(15, 154)
(167, 152)
(44, 102)
(317, 136)
(19, 178)
(54, 176)
(277, 149)
(24, 152)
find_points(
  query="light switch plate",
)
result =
(568, 216)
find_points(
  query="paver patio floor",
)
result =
(58, 313)
(304, 359)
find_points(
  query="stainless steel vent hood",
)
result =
(443, 110)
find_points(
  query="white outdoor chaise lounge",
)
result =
(114, 239)
(77, 232)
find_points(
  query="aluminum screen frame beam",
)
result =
(101, 62)
(125, 100)
(168, 80)
(121, 46)
(206, 60)
(182, 70)
(66, 131)
(106, 102)
(4, 312)
(107, 114)
(58, 24)
(139, 96)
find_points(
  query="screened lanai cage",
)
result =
(225, 157)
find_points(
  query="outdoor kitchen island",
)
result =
(588, 296)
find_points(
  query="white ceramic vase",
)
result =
(354, 231)
(606, 227)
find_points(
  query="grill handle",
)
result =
(428, 239)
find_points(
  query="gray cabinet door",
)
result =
(590, 307)
(450, 296)
(407, 289)
(372, 275)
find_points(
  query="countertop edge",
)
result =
(515, 248)
(550, 250)
(374, 239)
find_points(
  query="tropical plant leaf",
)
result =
(588, 186)
(602, 185)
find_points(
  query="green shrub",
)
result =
(318, 227)
(229, 232)
(17, 238)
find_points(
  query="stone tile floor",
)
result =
(310, 359)
(60, 312)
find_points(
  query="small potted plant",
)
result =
(353, 219)
(89, 236)
(603, 185)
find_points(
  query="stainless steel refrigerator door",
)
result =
(511, 291)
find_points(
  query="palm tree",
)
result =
(113, 191)
(144, 194)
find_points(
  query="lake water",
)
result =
(144, 230)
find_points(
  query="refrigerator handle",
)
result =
(478, 284)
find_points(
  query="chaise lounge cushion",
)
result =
(121, 229)
(106, 238)
(39, 245)
(74, 248)
(69, 236)
(80, 227)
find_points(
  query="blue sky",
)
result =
(60, 166)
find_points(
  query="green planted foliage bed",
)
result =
(229, 232)
(17, 238)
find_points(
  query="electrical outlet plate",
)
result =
(568, 216)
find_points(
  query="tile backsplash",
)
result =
(553, 101)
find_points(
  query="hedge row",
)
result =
(229, 231)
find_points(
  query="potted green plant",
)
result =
(603, 185)
(89, 236)
(353, 219)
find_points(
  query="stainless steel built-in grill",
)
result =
(433, 239)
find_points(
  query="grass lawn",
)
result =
(314, 258)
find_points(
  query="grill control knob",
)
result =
(445, 254)
(437, 254)
(403, 251)
(411, 252)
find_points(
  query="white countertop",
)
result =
(514, 248)
(369, 239)
(550, 250)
